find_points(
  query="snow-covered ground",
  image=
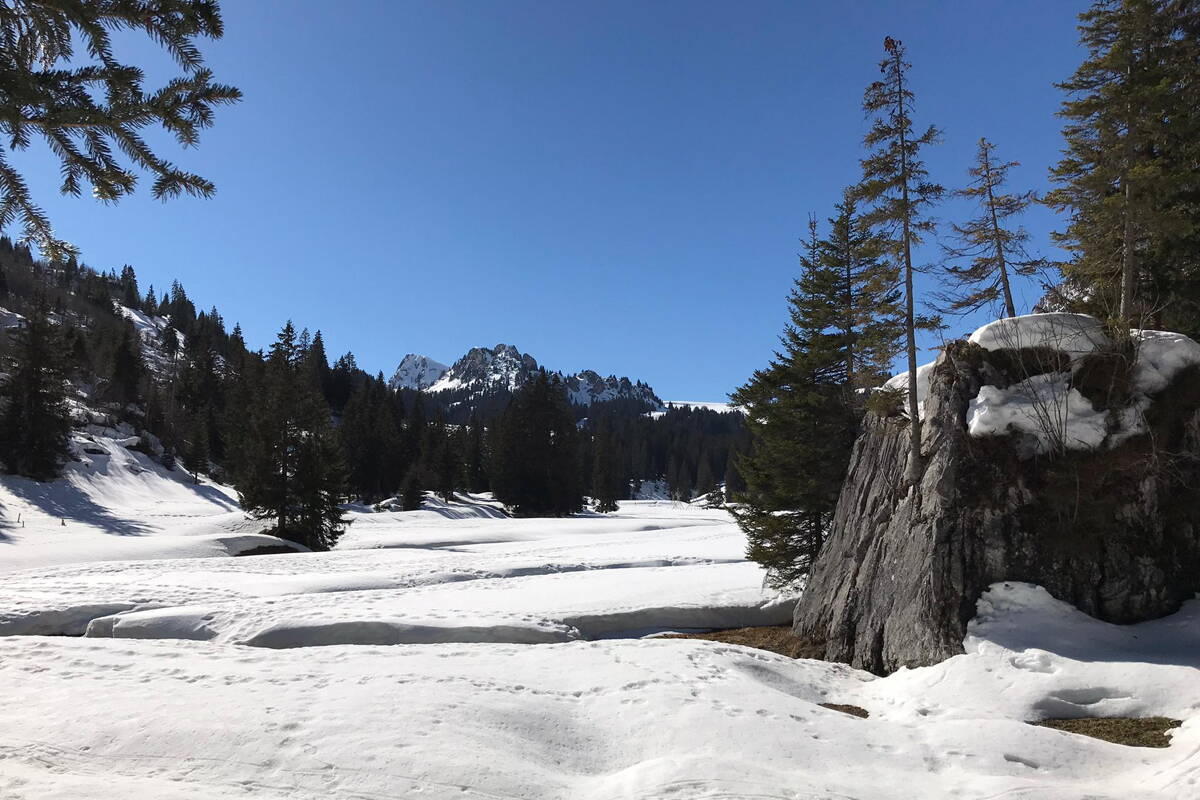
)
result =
(99, 718)
(469, 655)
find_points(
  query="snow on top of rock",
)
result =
(1044, 406)
(924, 372)
(1075, 334)
(417, 372)
(1160, 355)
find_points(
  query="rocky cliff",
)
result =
(1112, 528)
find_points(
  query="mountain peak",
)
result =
(417, 372)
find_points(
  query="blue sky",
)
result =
(615, 185)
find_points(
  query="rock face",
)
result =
(1115, 532)
(417, 372)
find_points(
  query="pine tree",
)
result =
(994, 252)
(412, 492)
(129, 288)
(127, 368)
(536, 452)
(196, 450)
(34, 420)
(475, 477)
(1128, 179)
(607, 483)
(802, 414)
(291, 468)
(895, 183)
(320, 476)
(64, 84)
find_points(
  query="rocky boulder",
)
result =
(1113, 529)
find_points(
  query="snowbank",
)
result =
(599, 720)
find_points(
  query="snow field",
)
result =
(609, 719)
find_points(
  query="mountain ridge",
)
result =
(504, 369)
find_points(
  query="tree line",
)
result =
(298, 436)
(1126, 187)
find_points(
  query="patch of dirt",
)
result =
(1131, 731)
(854, 711)
(775, 638)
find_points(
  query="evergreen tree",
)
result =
(320, 476)
(34, 420)
(1128, 179)
(802, 414)
(291, 467)
(127, 371)
(859, 290)
(64, 84)
(895, 183)
(607, 482)
(475, 477)
(412, 492)
(196, 450)
(535, 454)
(129, 288)
(994, 251)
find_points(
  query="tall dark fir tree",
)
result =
(292, 469)
(34, 421)
(535, 453)
(1128, 181)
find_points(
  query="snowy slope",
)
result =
(593, 720)
(112, 503)
(417, 372)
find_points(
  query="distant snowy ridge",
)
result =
(504, 368)
(417, 372)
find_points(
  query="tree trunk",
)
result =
(910, 330)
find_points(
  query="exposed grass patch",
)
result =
(1131, 731)
(775, 638)
(854, 711)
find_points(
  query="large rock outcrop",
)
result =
(1113, 531)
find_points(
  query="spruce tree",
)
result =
(127, 370)
(64, 84)
(895, 183)
(1128, 179)
(536, 451)
(607, 483)
(34, 420)
(291, 468)
(412, 492)
(475, 477)
(196, 449)
(993, 250)
(802, 414)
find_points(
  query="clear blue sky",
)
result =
(615, 185)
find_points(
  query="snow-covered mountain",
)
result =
(504, 369)
(417, 372)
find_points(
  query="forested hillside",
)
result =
(296, 434)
